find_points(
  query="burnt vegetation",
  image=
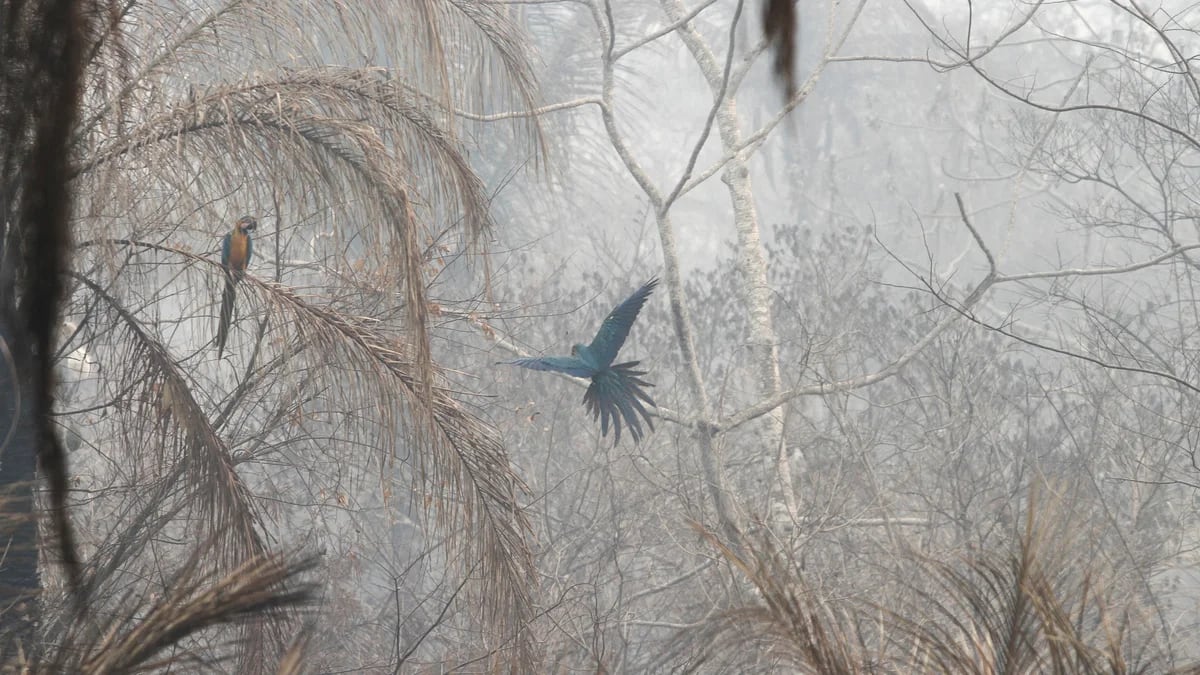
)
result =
(882, 440)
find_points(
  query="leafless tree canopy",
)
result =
(923, 352)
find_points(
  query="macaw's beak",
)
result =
(247, 223)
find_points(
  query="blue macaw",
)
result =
(617, 391)
(236, 250)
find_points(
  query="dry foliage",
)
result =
(1046, 606)
(192, 113)
(197, 599)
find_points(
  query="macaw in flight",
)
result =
(617, 391)
(236, 250)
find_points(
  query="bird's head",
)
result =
(580, 351)
(246, 223)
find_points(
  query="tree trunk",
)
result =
(19, 581)
(752, 268)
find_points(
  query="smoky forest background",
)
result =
(926, 346)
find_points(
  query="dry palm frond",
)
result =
(488, 29)
(324, 125)
(1036, 609)
(188, 116)
(292, 661)
(374, 148)
(224, 502)
(461, 462)
(195, 600)
(366, 140)
(790, 627)
(469, 53)
(462, 468)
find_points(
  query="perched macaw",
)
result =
(617, 391)
(236, 250)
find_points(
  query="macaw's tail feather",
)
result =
(227, 299)
(617, 393)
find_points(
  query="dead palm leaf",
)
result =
(789, 626)
(188, 115)
(195, 600)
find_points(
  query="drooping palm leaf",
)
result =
(196, 599)
(459, 463)
(193, 110)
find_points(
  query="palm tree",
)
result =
(359, 175)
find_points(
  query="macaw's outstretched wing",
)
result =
(559, 364)
(616, 325)
(617, 393)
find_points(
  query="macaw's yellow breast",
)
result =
(239, 246)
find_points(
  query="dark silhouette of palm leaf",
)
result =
(195, 599)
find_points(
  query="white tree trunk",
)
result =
(763, 346)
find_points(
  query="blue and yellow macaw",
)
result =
(617, 391)
(236, 250)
